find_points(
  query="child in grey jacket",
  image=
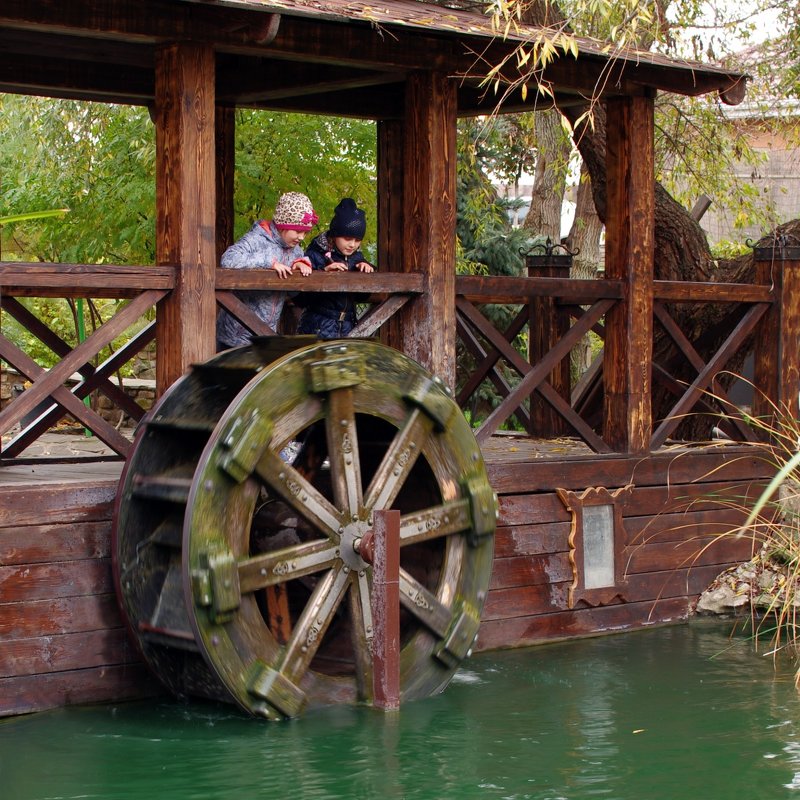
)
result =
(269, 244)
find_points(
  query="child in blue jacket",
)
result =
(332, 315)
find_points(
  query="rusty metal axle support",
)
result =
(383, 552)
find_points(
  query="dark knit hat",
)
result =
(293, 212)
(348, 220)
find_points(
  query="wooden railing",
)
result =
(529, 382)
(580, 306)
(141, 287)
(748, 305)
(388, 293)
(491, 347)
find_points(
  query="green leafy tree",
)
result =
(327, 158)
(97, 160)
(697, 142)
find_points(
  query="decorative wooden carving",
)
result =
(596, 542)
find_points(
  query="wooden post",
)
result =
(546, 325)
(185, 206)
(429, 220)
(776, 355)
(225, 160)
(386, 610)
(391, 234)
(630, 237)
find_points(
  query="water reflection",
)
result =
(664, 714)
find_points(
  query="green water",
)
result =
(672, 713)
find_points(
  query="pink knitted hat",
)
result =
(294, 212)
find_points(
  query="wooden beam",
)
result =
(185, 206)
(630, 223)
(36, 279)
(429, 220)
(303, 88)
(686, 292)
(391, 234)
(136, 21)
(596, 74)
(267, 280)
(257, 81)
(225, 131)
(39, 43)
(46, 76)
(384, 101)
(475, 100)
(547, 324)
(777, 343)
(502, 289)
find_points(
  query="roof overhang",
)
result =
(301, 55)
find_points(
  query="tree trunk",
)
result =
(584, 236)
(584, 242)
(550, 177)
(682, 254)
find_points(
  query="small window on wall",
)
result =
(596, 543)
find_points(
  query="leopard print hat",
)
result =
(294, 212)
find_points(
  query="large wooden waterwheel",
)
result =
(242, 508)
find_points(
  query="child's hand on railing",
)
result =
(283, 270)
(302, 265)
(334, 266)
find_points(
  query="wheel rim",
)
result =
(275, 590)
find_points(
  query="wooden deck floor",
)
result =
(62, 458)
(74, 457)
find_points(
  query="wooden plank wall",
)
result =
(61, 635)
(672, 521)
(62, 641)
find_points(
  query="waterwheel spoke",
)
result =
(343, 450)
(362, 634)
(300, 494)
(286, 564)
(432, 523)
(423, 604)
(314, 621)
(398, 461)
